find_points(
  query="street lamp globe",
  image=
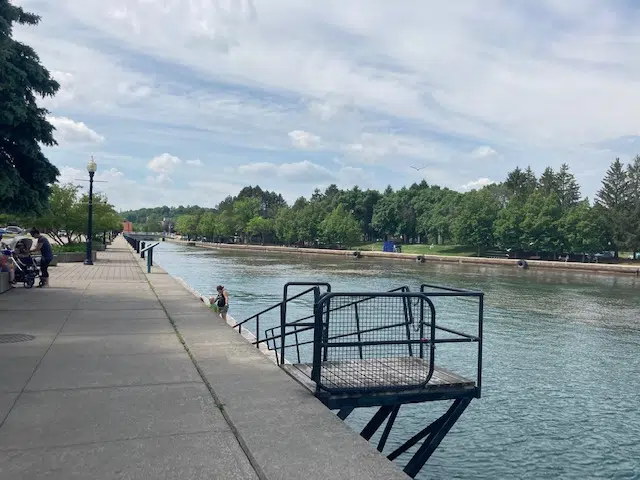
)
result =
(92, 166)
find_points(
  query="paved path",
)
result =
(130, 377)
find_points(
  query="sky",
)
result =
(184, 102)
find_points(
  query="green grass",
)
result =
(454, 250)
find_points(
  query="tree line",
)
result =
(65, 215)
(524, 214)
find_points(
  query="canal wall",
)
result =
(284, 431)
(633, 270)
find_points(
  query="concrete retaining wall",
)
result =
(71, 257)
(539, 264)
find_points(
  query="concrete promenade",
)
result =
(129, 376)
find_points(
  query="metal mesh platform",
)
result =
(357, 374)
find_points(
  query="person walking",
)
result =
(221, 302)
(44, 247)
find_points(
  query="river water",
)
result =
(561, 376)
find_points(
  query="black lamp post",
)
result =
(91, 168)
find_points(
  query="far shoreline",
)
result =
(627, 270)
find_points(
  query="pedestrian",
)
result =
(221, 302)
(44, 247)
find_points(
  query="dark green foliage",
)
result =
(523, 215)
(25, 173)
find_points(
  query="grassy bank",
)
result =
(418, 249)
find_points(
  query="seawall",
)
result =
(633, 270)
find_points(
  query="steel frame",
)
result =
(433, 434)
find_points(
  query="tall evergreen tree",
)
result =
(548, 182)
(633, 227)
(521, 183)
(567, 188)
(614, 199)
(26, 173)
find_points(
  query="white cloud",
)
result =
(300, 172)
(483, 152)
(70, 131)
(419, 81)
(126, 193)
(302, 139)
(164, 163)
(196, 163)
(477, 184)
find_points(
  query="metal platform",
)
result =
(442, 385)
(378, 349)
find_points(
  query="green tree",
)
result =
(153, 223)
(567, 188)
(26, 173)
(385, 215)
(520, 183)
(340, 227)
(209, 225)
(243, 211)
(581, 230)
(285, 226)
(633, 225)
(105, 217)
(261, 226)
(476, 215)
(62, 219)
(614, 199)
(540, 223)
(508, 230)
(548, 182)
(187, 225)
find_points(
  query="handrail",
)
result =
(451, 291)
(321, 342)
(141, 248)
(280, 305)
(295, 323)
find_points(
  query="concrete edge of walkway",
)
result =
(285, 432)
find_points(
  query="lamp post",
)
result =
(91, 168)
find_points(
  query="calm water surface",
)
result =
(561, 376)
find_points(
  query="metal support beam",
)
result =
(377, 420)
(430, 444)
(387, 428)
(345, 412)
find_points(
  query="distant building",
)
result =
(127, 227)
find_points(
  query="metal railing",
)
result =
(445, 291)
(142, 248)
(300, 326)
(391, 336)
(282, 306)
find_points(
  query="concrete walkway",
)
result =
(129, 376)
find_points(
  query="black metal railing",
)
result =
(446, 291)
(282, 307)
(300, 326)
(372, 348)
(367, 342)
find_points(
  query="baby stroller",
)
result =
(26, 270)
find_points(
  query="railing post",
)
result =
(258, 331)
(142, 245)
(150, 260)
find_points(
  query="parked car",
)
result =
(14, 229)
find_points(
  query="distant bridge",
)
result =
(146, 236)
